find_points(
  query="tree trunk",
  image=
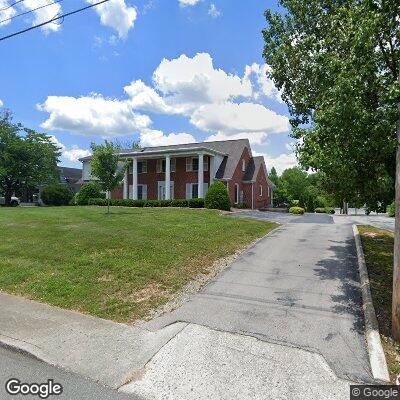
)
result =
(108, 203)
(396, 266)
(7, 197)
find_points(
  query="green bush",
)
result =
(90, 190)
(179, 203)
(391, 209)
(325, 210)
(217, 197)
(56, 194)
(97, 202)
(196, 203)
(296, 210)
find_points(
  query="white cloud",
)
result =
(185, 3)
(44, 14)
(213, 11)
(146, 98)
(92, 115)
(74, 154)
(6, 12)
(280, 162)
(265, 86)
(117, 15)
(231, 119)
(150, 137)
(190, 82)
(57, 142)
(1, 103)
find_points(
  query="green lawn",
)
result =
(378, 251)
(116, 266)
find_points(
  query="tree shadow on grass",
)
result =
(343, 267)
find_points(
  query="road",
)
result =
(299, 286)
(30, 370)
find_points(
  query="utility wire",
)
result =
(11, 5)
(52, 20)
(33, 9)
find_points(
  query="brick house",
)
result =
(186, 171)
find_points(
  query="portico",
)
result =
(196, 168)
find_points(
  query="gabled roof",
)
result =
(230, 150)
(252, 169)
(70, 173)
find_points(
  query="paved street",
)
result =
(299, 286)
(29, 370)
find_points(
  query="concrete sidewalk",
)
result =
(101, 350)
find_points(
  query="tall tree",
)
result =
(27, 159)
(337, 64)
(105, 167)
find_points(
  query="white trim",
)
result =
(200, 176)
(167, 177)
(237, 193)
(134, 178)
(243, 165)
(261, 190)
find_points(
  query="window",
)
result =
(192, 190)
(161, 163)
(141, 192)
(236, 193)
(142, 167)
(192, 164)
(269, 193)
(243, 165)
(261, 190)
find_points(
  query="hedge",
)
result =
(296, 210)
(56, 194)
(191, 203)
(325, 210)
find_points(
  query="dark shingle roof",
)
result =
(70, 173)
(252, 170)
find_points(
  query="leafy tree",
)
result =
(273, 176)
(90, 190)
(105, 167)
(337, 64)
(27, 159)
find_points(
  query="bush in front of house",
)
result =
(296, 210)
(391, 209)
(191, 203)
(217, 197)
(56, 194)
(325, 210)
(90, 190)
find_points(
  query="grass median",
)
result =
(378, 250)
(117, 266)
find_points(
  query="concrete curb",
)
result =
(376, 355)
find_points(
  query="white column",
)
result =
(212, 169)
(126, 186)
(168, 178)
(201, 176)
(134, 178)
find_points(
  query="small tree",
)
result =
(217, 197)
(105, 167)
(88, 191)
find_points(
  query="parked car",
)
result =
(14, 201)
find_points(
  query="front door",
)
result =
(161, 190)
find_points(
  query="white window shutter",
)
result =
(189, 165)
(188, 190)
(159, 165)
(144, 192)
(205, 188)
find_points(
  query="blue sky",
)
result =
(158, 72)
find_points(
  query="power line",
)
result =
(52, 20)
(11, 5)
(28, 12)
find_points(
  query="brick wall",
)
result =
(237, 177)
(264, 200)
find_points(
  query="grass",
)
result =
(378, 250)
(117, 266)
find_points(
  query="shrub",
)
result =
(56, 194)
(217, 197)
(196, 203)
(295, 203)
(391, 209)
(97, 202)
(90, 190)
(296, 210)
(179, 203)
(325, 210)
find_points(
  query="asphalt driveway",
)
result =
(299, 286)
